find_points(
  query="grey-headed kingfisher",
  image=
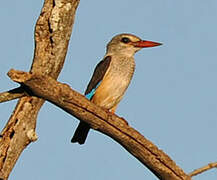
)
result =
(112, 76)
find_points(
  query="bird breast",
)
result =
(115, 82)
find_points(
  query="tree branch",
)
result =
(52, 33)
(11, 94)
(115, 127)
(203, 169)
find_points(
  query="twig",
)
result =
(12, 94)
(203, 169)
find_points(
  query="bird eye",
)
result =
(125, 40)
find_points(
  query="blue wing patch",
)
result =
(92, 92)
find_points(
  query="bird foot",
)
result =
(125, 122)
(112, 113)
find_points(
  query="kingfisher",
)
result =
(112, 76)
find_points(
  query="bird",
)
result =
(112, 76)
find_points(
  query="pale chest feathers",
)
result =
(114, 83)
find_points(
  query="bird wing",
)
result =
(97, 77)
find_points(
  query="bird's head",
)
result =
(128, 44)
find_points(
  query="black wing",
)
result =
(98, 74)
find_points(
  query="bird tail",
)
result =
(81, 133)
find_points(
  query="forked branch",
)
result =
(52, 33)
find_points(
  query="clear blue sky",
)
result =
(172, 99)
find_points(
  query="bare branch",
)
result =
(203, 169)
(11, 94)
(115, 127)
(52, 34)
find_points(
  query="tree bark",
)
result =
(52, 34)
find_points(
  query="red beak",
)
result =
(145, 44)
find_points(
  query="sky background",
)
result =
(172, 99)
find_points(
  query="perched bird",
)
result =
(112, 76)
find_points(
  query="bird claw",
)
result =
(110, 114)
(125, 122)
